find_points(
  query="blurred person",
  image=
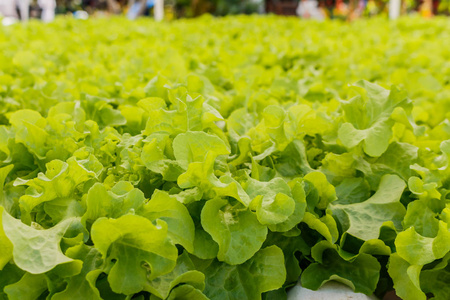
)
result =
(362, 4)
(144, 8)
(309, 9)
(8, 8)
(426, 9)
(113, 7)
(48, 10)
(138, 8)
(341, 10)
(24, 8)
(356, 9)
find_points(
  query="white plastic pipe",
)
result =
(394, 9)
(159, 10)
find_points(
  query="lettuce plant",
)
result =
(217, 169)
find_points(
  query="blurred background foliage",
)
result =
(182, 8)
(194, 8)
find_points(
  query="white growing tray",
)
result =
(331, 290)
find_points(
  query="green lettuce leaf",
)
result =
(186, 292)
(361, 273)
(59, 183)
(235, 228)
(181, 228)
(263, 272)
(29, 287)
(363, 220)
(192, 147)
(157, 155)
(36, 251)
(120, 200)
(138, 250)
(368, 117)
(6, 246)
(271, 200)
(79, 286)
(419, 250)
(406, 278)
(183, 274)
(435, 280)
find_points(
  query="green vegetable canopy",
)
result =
(224, 158)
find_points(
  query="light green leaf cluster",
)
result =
(224, 158)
